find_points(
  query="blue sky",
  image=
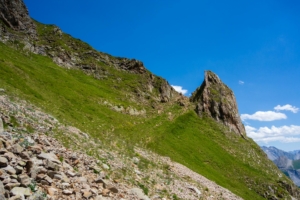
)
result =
(253, 46)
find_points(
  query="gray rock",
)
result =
(139, 193)
(2, 197)
(3, 162)
(100, 180)
(24, 180)
(70, 173)
(105, 166)
(49, 156)
(10, 170)
(48, 179)
(135, 160)
(20, 191)
(17, 149)
(51, 165)
(10, 186)
(18, 197)
(67, 192)
(81, 180)
(113, 189)
(195, 190)
(18, 169)
(9, 156)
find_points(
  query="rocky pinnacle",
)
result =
(217, 100)
(15, 15)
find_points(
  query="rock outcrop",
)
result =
(15, 15)
(217, 100)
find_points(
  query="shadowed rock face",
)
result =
(217, 100)
(15, 15)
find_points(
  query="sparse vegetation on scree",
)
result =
(80, 100)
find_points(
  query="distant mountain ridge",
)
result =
(287, 162)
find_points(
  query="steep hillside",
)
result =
(121, 103)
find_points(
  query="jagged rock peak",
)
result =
(15, 15)
(217, 100)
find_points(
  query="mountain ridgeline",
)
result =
(118, 102)
(287, 162)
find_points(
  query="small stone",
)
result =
(21, 163)
(17, 149)
(100, 180)
(9, 169)
(102, 175)
(21, 191)
(135, 160)
(44, 182)
(14, 181)
(67, 192)
(3, 162)
(137, 172)
(35, 149)
(113, 189)
(24, 180)
(36, 161)
(105, 166)
(65, 178)
(51, 165)
(76, 162)
(195, 190)
(87, 194)
(52, 191)
(25, 155)
(105, 192)
(139, 193)
(9, 156)
(94, 191)
(82, 180)
(10, 186)
(40, 177)
(49, 156)
(65, 185)
(86, 186)
(18, 169)
(71, 173)
(18, 197)
(47, 178)
(6, 180)
(57, 176)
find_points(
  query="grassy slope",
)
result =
(74, 98)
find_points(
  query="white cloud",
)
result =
(179, 89)
(241, 82)
(287, 107)
(285, 134)
(264, 116)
